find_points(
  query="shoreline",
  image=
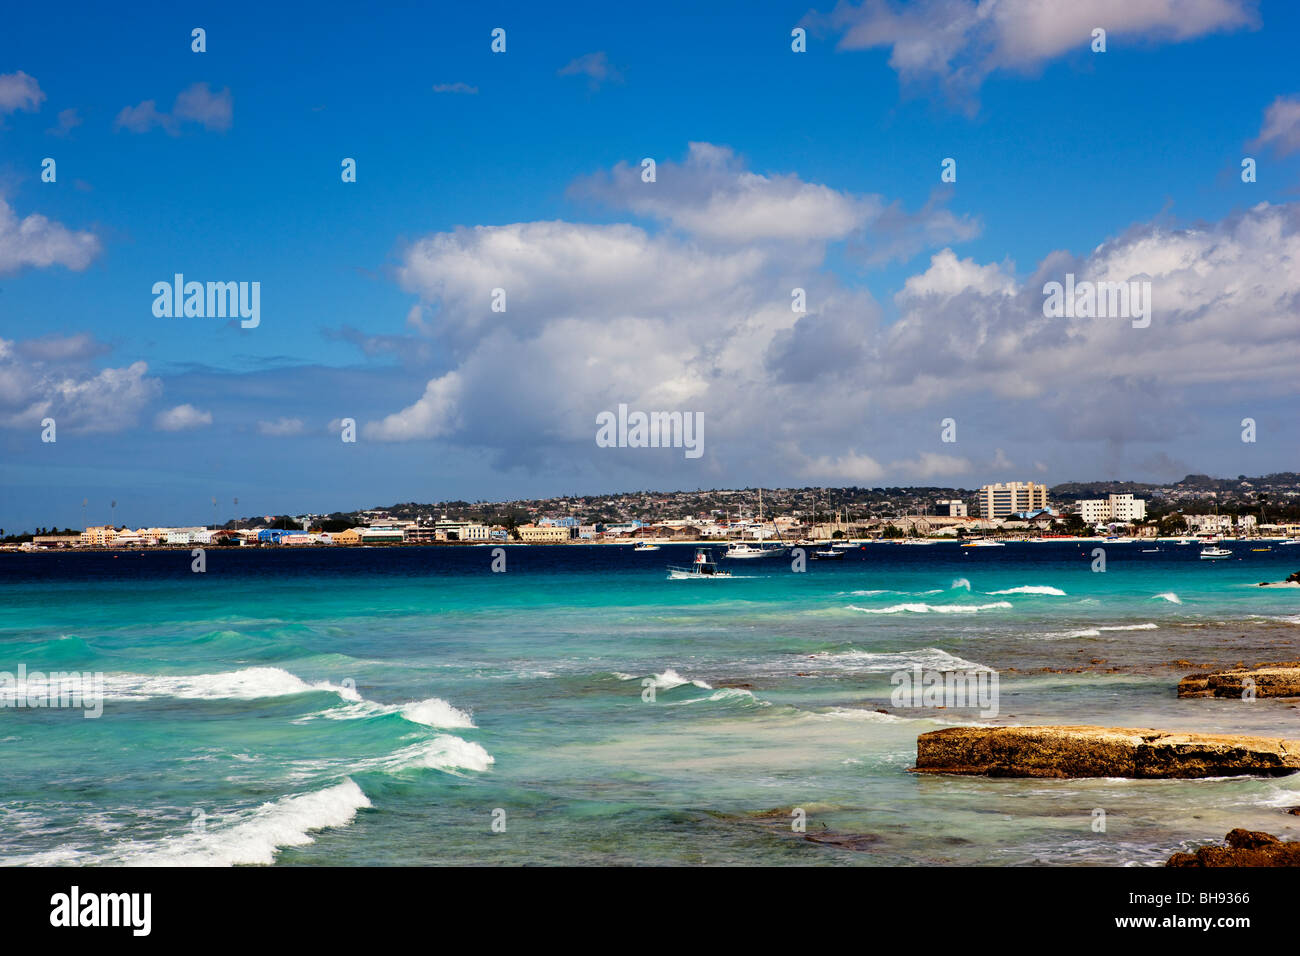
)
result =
(697, 543)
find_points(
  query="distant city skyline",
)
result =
(925, 354)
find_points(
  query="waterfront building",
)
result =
(539, 534)
(1006, 498)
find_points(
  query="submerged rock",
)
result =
(1268, 680)
(1245, 848)
(1101, 752)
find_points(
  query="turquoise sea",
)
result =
(411, 706)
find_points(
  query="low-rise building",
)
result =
(542, 534)
(98, 536)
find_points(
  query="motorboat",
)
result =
(1214, 552)
(983, 543)
(645, 546)
(830, 554)
(702, 567)
(745, 550)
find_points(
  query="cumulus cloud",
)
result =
(1281, 129)
(713, 196)
(602, 315)
(39, 242)
(47, 378)
(18, 91)
(955, 44)
(196, 103)
(181, 418)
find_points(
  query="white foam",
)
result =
(959, 583)
(1031, 589)
(250, 683)
(433, 712)
(728, 693)
(1063, 635)
(919, 608)
(254, 836)
(930, 658)
(436, 712)
(670, 679)
(1169, 596)
(444, 752)
(1130, 627)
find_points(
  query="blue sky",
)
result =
(1059, 151)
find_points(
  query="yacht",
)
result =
(1215, 552)
(983, 543)
(844, 545)
(645, 546)
(743, 549)
(829, 554)
(702, 567)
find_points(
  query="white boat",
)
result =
(983, 543)
(1289, 541)
(918, 541)
(1215, 553)
(744, 550)
(844, 545)
(702, 567)
(830, 554)
(645, 546)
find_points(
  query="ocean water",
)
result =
(410, 706)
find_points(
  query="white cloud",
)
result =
(40, 242)
(457, 87)
(1281, 129)
(713, 196)
(599, 315)
(595, 66)
(68, 121)
(18, 91)
(432, 416)
(957, 43)
(181, 418)
(43, 378)
(197, 103)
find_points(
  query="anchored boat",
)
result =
(702, 567)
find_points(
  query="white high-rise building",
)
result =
(1002, 499)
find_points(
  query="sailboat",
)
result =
(743, 550)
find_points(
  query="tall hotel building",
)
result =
(1000, 500)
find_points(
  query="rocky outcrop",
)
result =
(1101, 752)
(1268, 680)
(1245, 848)
(1292, 581)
